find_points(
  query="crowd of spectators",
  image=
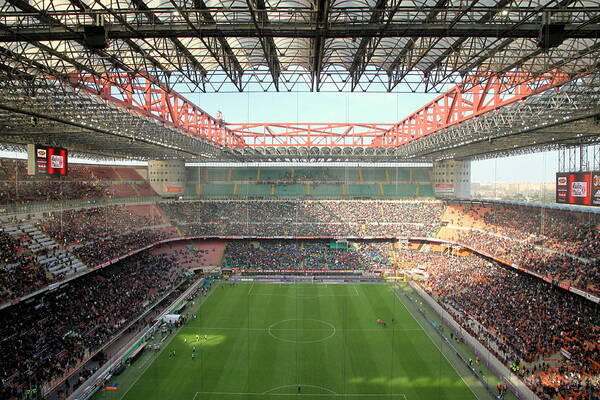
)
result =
(20, 273)
(87, 224)
(525, 321)
(102, 250)
(55, 332)
(83, 182)
(94, 235)
(306, 255)
(306, 218)
(549, 242)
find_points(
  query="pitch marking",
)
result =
(399, 396)
(270, 328)
(294, 386)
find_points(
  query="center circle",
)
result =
(298, 330)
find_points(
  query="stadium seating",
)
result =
(274, 174)
(128, 174)
(319, 218)
(374, 174)
(343, 174)
(84, 182)
(324, 183)
(243, 174)
(521, 319)
(363, 190)
(254, 190)
(291, 190)
(326, 190)
(192, 253)
(557, 243)
(425, 191)
(420, 175)
(399, 175)
(217, 175)
(105, 173)
(400, 190)
(217, 189)
(144, 190)
(306, 255)
(44, 338)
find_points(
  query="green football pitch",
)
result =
(302, 341)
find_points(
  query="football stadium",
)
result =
(244, 200)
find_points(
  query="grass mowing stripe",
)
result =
(416, 318)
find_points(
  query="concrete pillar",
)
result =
(167, 177)
(452, 178)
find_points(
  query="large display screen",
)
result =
(578, 188)
(47, 160)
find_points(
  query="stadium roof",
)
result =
(235, 45)
(60, 84)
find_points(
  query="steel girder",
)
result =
(51, 112)
(479, 95)
(553, 118)
(322, 45)
(259, 17)
(138, 95)
(319, 154)
(307, 135)
(73, 54)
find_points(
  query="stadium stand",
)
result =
(399, 190)
(45, 338)
(193, 253)
(84, 182)
(20, 272)
(325, 190)
(217, 175)
(558, 243)
(362, 190)
(321, 183)
(319, 218)
(217, 190)
(274, 174)
(254, 190)
(546, 334)
(305, 255)
(242, 174)
(292, 190)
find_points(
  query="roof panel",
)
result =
(417, 40)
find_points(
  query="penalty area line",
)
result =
(399, 396)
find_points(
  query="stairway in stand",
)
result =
(58, 262)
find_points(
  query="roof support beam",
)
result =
(432, 29)
(218, 47)
(198, 79)
(368, 45)
(318, 43)
(54, 23)
(457, 45)
(260, 18)
(407, 67)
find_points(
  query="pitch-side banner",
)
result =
(578, 188)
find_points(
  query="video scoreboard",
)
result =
(578, 188)
(45, 160)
